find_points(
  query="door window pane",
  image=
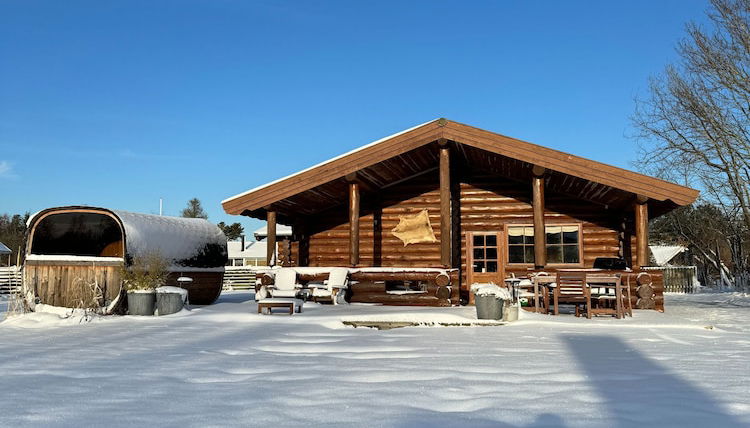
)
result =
(478, 253)
(479, 240)
(491, 240)
(478, 266)
(491, 266)
(491, 253)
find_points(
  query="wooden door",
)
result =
(485, 258)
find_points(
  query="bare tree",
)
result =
(697, 119)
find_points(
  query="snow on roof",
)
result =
(186, 242)
(252, 250)
(664, 253)
(328, 161)
(176, 238)
(281, 230)
(4, 249)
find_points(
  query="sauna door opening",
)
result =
(78, 234)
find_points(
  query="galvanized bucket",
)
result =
(169, 303)
(489, 307)
(141, 303)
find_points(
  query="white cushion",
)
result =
(285, 279)
(338, 277)
(525, 282)
(283, 293)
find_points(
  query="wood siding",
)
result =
(378, 247)
(69, 284)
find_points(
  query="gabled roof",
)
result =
(596, 179)
(4, 249)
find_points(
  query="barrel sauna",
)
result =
(72, 251)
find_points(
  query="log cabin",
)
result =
(70, 248)
(476, 204)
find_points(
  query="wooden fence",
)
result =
(10, 279)
(678, 279)
(239, 278)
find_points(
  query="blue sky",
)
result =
(117, 104)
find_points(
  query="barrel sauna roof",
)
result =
(412, 152)
(186, 242)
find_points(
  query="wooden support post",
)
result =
(353, 223)
(641, 232)
(445, 204)
(537, 202)
(271, 237)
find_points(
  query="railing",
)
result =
(678, 279)
(10, 279)
(239, 278)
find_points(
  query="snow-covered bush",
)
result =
(146, 272)
(491, 290)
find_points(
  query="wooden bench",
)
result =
(266, 306)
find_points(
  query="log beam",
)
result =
(537, 202)
(353, 223)
(445, 204)
(641, 232)
(271, 237)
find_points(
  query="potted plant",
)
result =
(141, 279)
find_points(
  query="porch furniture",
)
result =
(542, 285)
(265, 306)
(606, 291)
(285, 284)
(333, 287)
(570, 287)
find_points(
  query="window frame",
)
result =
(562, 224)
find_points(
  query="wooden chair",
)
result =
(571, 288)
(606, 291)
(542, 284)
(285, 284)
(333, 288)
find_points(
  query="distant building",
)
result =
(253, 253)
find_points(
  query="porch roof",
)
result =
(412, 152)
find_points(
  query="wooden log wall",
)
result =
(378, 246)
(489, 203)
(486, 203)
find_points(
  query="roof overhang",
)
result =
(406, 154)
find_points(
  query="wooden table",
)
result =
(266, 306)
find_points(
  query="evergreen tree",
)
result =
(232, 231)
(13, 234)
(194, 209)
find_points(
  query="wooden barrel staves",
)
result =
(645, 292)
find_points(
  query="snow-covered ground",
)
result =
(225, 365)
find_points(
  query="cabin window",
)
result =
(484, 254)
(521, 244)
(563, 244)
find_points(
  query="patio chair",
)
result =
(542, 283)
(285, 284)
(603, 289)
(333, 288)
(571, 288)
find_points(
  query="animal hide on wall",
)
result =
(414, 229)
